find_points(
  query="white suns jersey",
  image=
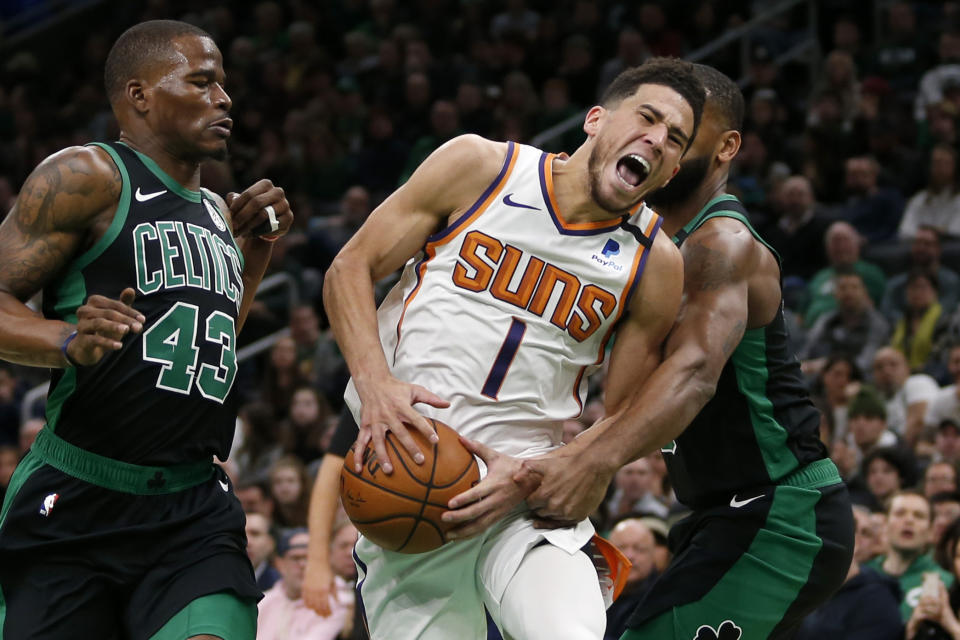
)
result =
(508, 310)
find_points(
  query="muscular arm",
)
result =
(52, 219)
(720, 259)
(446, 184)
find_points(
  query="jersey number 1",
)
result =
(491, 388)
(171, 342)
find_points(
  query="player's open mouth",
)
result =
(633, 170)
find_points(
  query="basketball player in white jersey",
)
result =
(519, 266)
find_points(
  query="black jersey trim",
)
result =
(174, 186)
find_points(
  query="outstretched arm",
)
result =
(719, 260)
(445, 185)
(63, 207)
(318, 585)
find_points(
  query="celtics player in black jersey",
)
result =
(771, 533)
(116, 523)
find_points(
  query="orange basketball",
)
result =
(401, 511)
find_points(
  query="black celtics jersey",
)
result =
(760, 425)
(164, 398)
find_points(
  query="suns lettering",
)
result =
(486, 264)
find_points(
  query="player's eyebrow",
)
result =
(674, 129)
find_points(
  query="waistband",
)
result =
(114, 474)
(821, 473)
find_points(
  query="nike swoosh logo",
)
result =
(224, 485)
(736, 504)
(143, 197)
(507, 200)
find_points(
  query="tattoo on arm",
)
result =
(47, 224)
(707, 269)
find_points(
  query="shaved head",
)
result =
(141, 46)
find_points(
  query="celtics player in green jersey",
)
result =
(771, 533)
(116, 523)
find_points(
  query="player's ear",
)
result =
(591, 124)
(137, 95)
(729, 146)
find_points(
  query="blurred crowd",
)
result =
(849, 168)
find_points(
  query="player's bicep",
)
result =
(47, 223)
(447, 182)
(715, 312)
(638, 348)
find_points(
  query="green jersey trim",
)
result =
(213, 201)
(164, 177)
(115, 474)
(750, 365)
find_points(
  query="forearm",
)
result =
(256, 257)
(656, 414)
(323, 507)
(348, 297)
(27, 339)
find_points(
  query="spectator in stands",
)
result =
(937, 205)
(631, 52)
(282, 376)
(839, 78)
(842, 243)
(946, 445)
(921, 325)
(9, 406)
(873, 210)
(909, 521)
(939, 477)
(934, 82)
(255, 497)
(854, 327)
(260, 548)
(907, 395)
(798, 228)
(839, 380)
(867, 430)
(260, 447)
(290, 490)
(884, 471)
(444, 125)
(28, 433)
(302, 431)
(282, 612)
(946, 509)
(941, 610)
(866, 606)
(634, 491)
(517, 18)
(925, 252)
(902, 52)
(632, 537)
(945, 403)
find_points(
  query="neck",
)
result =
(571, 188)
(676, 216)
(899, 560)
(185, 172)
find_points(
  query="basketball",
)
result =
(401, 511)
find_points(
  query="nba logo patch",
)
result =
(48, 503)
(215, 216)
(612, 248)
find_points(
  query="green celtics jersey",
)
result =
(163, 398)
(760, 425)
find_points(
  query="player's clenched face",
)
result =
(188, 108)
(637, 145)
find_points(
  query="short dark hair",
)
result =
(674, 73)
(142, 44)
(725, 96)
(919, 273)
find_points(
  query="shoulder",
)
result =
(470, 155)
(80, 182)
(721, 243)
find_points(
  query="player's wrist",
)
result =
(65, 350)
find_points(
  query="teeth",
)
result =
(642, 161)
